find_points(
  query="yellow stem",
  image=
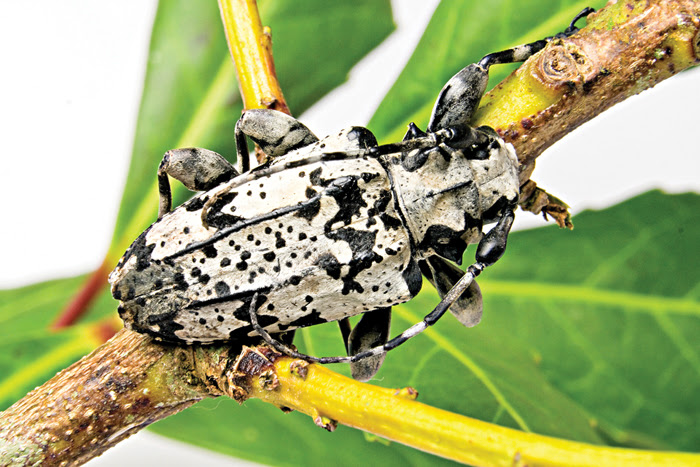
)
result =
(251, 49)
(394, 414)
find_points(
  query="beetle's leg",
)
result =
(345, 330)
(443, 275)
(460, 97)
(490, 249)
(242, 154)
(196, 168)
(521, 53)
(275, 132)
(371, 331)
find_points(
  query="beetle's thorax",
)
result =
(446, 197)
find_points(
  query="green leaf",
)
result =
(190, 96)
(32, 309)
(611, 313)
(31, 358)
(458, 34)
(30, 354)
(588, 335)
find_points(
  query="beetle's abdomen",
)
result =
(318, 242)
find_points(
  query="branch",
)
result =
(132, 381)
(119, 388)
(626, 48)
(251, 50)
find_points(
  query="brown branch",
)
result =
(132, 381)
(122, 386)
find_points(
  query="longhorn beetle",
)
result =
(327, 229)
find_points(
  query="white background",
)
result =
(70, 83)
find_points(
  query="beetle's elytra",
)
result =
(326, 229)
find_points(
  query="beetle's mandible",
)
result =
(326, 229)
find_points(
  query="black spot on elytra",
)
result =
(269, 256)
(167, 327)
(368, 177)
(348, 197)
(196, 272)
(209, 251)
(218, 219)
(330, 264)
(309, 209)
(242, 313)
(140, 250)
(315, 176)
(363, 257)
(204, 278)
(309, 320)
(389, 222)
(221, 288)
(242, 266)
(245, 255)
(195, 204)
(180, 282)
(225, 262)
(295, 280)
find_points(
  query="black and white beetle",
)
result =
(327, 229)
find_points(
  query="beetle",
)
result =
(326, 229)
